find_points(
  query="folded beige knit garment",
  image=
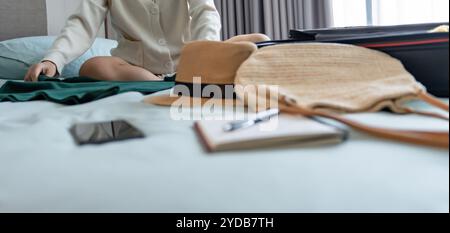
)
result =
(317, 79)
(335, 77)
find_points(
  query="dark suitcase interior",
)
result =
(425, 55)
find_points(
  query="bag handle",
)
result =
(433, 101)
(425, 96)
(426, 138)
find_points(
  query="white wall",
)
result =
(57, 13)
(390, 12)
(349, 13)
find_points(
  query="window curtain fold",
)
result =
(272, 17)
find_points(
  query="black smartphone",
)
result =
(104, 132)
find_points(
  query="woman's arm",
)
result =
(205, 23)
(76, 38)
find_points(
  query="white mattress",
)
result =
(42, 170)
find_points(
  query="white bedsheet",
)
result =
(42, 170)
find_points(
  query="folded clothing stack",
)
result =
(75, 91)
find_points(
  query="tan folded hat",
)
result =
(317, 79)
(206, 73)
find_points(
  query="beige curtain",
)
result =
(272, 17)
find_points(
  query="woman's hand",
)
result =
(46, 68)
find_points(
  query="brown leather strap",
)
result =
(428, 98)
(433, 101)
(429, 114)
(435, 139)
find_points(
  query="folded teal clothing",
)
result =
(73, 91)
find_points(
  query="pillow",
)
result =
(17, 55)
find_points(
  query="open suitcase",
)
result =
(424, 54)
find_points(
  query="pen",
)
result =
(260, 117)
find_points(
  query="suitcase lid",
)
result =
(378, 42)
(372, 37)
(365, 31)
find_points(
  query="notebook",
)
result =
(279, 131)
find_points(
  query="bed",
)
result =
(43, 170)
